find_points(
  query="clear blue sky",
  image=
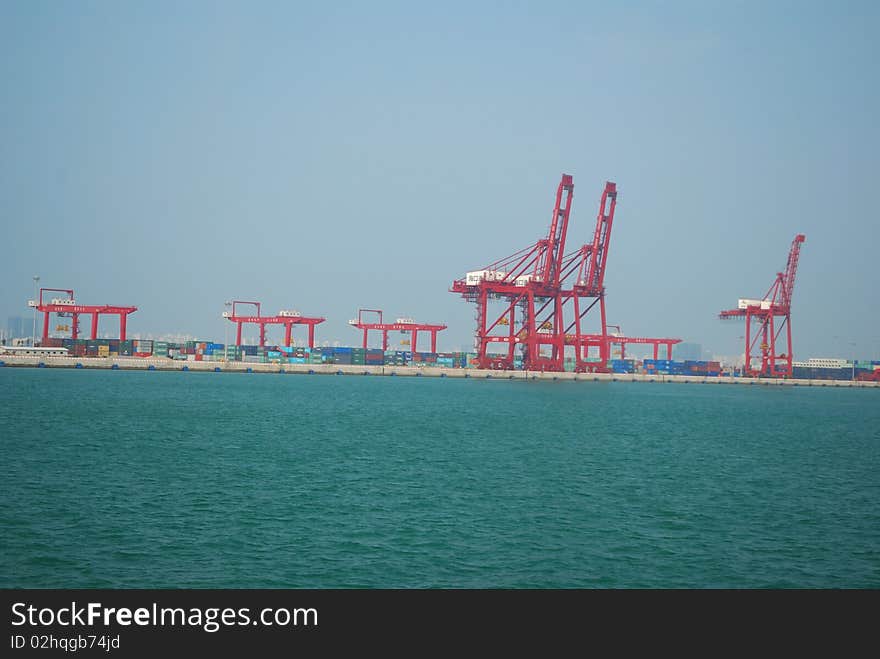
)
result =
(327, 156)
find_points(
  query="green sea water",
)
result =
(168, 479)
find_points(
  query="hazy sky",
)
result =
(330, 156)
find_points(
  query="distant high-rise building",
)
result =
(687, 351)
(15, 327)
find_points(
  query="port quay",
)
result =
(146, 364)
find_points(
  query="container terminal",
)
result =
(540, 313)
(41, 357)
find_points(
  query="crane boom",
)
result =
(554, 249)
(791, 269)
(595, 278)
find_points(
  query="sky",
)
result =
(330, 156)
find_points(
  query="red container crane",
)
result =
(546, 294)
(764, 312)
(287, 318)
(67, 306)
(403, 325)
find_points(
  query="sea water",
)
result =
(126, 479)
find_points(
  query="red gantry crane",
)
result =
(285, 317)
(67, 307)
(538, 286)
(619, 339)
(402, 325)
(764, 313)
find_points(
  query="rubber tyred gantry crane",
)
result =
(623, 341)
(285, 317)
(403, 325)
(764, 312)
(67, 306)
(539, 285)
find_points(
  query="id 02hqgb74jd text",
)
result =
(67, 643)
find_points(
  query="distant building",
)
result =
(822, 362)
(15, 327)
(687, 351)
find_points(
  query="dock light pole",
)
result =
(227, 304)
(34, 333)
